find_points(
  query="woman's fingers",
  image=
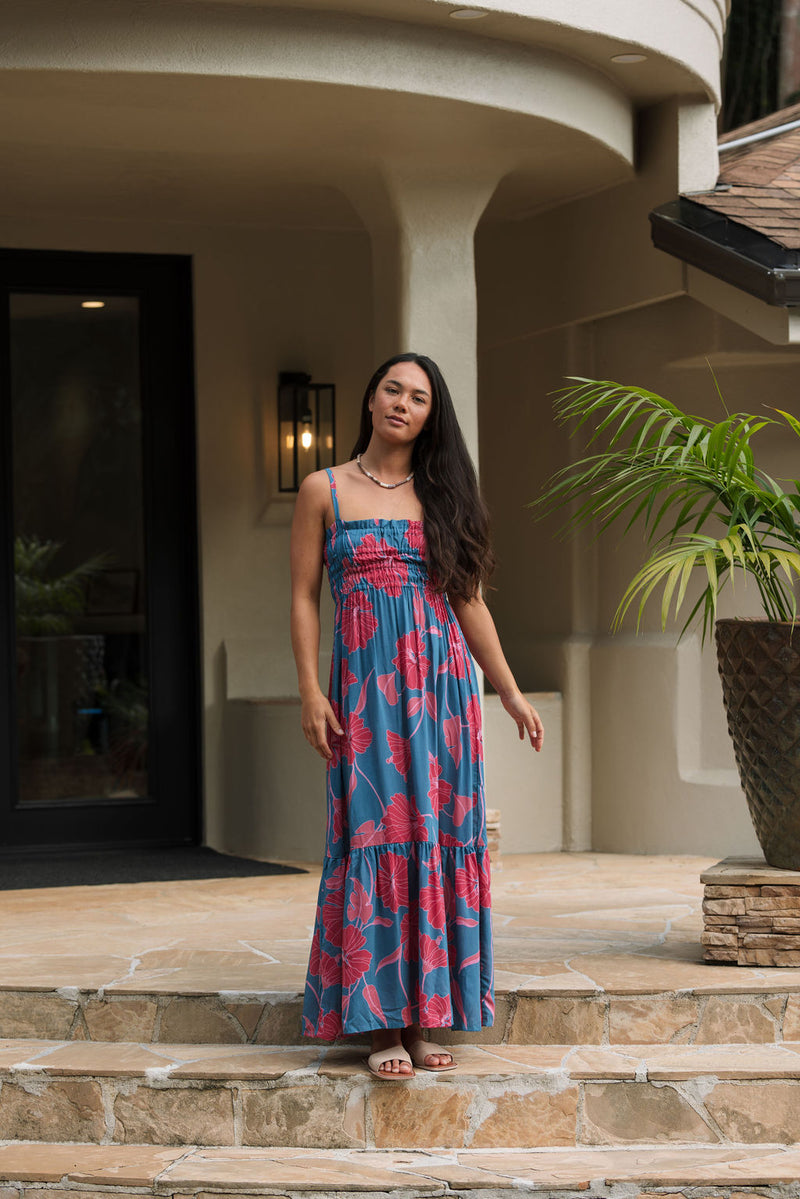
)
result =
(526, 719)
(333, 722)
(321, 742)
(315, 729)
(536, 730)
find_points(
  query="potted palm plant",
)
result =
(706, 508)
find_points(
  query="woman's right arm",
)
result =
(308, 542)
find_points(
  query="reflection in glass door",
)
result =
(79, 563)
(99, 625)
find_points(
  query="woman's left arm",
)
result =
(480, 635)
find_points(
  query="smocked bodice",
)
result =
(382, 554)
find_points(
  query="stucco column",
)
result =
(422, 225)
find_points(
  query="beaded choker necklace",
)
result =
(388, 486)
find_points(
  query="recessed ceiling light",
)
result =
(468, 14)
(93, 303)
(628, 58)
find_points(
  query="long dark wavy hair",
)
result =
(459, 552)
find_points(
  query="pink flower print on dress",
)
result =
(452, 737)
(330, 970)
(457, 660)
(400, 756)
(388, 685)
(392, 881)
(329, 1026)
(431, 954)
(485, 881)
(381, 564)
(335, 880)
(358, 620)
(374, 1002)
(367, 834)
(348, 678)
(409, 935)
(403, 821)
(462, 808)
(337, 818)
(356, 959)
(313, 961)
(466, 883)
(416, 703)
(415, 536)
(333, 917)
(436, 1011)
(359, 909)
(411, 660)
(436, 604)
(357, 738)
(431, 902)
(475, 728)
(439, 789)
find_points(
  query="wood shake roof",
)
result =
(759, 184)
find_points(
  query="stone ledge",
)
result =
(582, 1173)
(748, 872)
(751, 914)
(512, 1096)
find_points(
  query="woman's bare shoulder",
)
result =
(313, 494)
(345, 468)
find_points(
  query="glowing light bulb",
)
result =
(93, 304)
(305, 439)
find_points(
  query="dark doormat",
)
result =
(98, 867)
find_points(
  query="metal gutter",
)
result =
(763, 136)
(728, 250)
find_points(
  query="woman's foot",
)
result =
(393, 1067)
(441, 1060)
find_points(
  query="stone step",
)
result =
(721, 1012)
(645, 1172)
(502, 1096)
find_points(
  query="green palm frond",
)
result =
(694, 484)
(45, 605)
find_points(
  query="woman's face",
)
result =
(401, 403)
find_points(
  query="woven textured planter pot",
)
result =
(759, 664)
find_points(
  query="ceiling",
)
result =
(645, 83)
(262, 152)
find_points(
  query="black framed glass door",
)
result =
(99, 714)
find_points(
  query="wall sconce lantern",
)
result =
(306, 433)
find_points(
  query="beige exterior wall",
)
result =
(326, 168)
(648, 763)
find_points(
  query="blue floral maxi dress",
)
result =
(403, 924)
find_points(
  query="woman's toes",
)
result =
(395, 1066)
(438, 1059)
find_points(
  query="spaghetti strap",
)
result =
(334, 497)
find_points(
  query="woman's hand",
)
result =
(526, 717)
(317, 715)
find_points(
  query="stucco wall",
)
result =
(660, 775)
(220, 116)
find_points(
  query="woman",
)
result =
(402, 939)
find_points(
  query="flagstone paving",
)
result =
(590, 948)
(152, 1045)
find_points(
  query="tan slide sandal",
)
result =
(420, 1049)
(394, 1053)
